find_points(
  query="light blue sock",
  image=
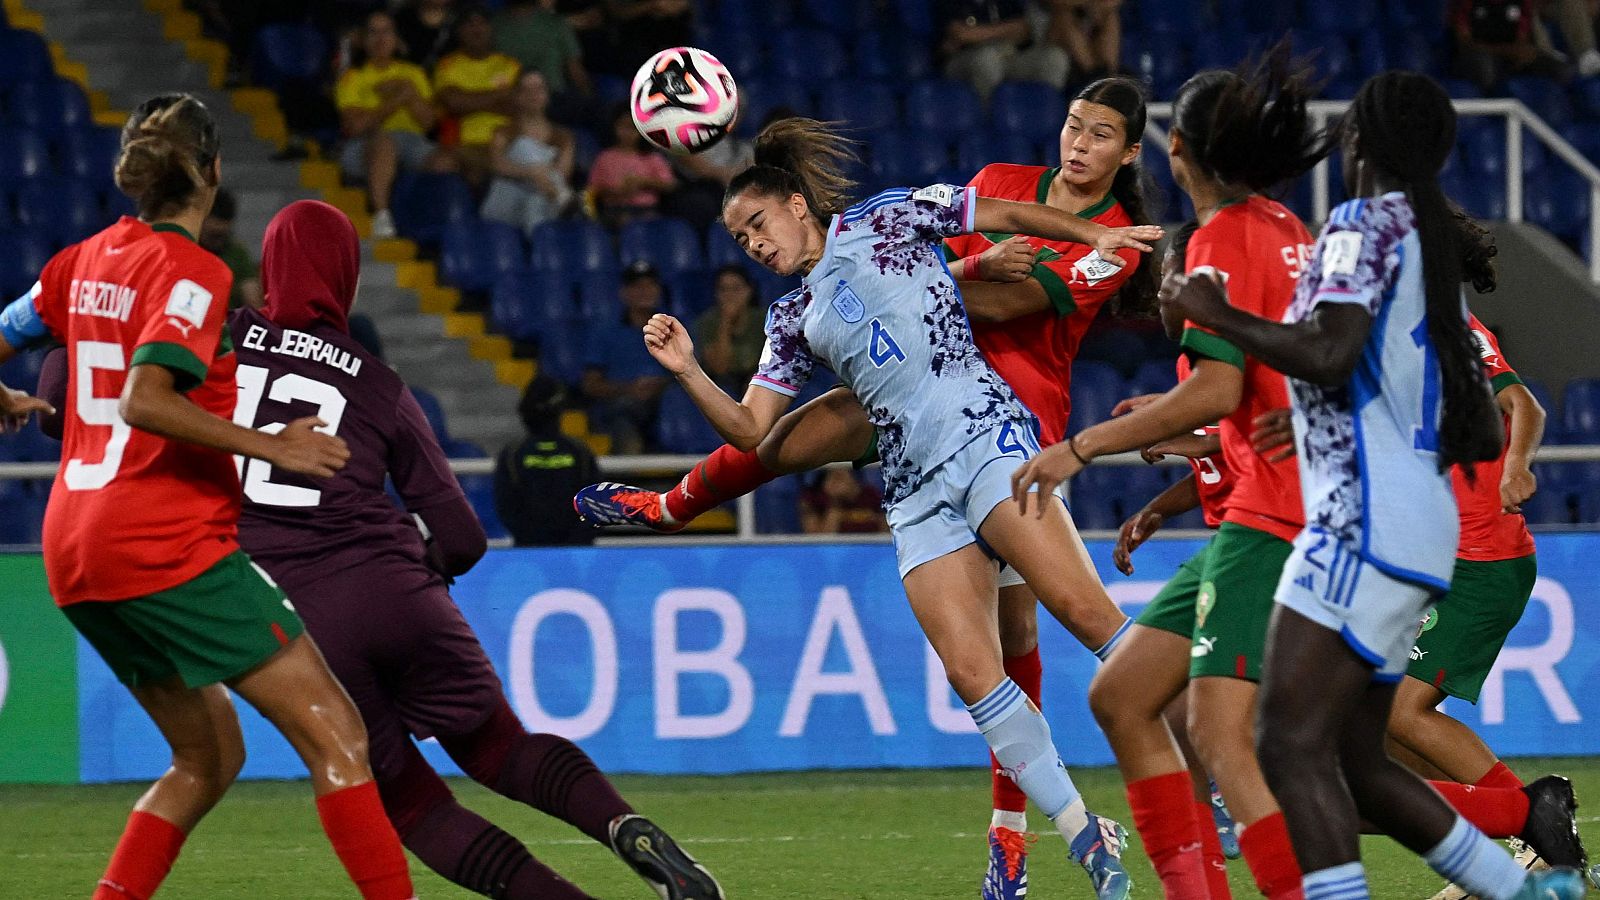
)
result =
(1480, 866)
(1020, 739)
(1346, 882)
(1105, 649)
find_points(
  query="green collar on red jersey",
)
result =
(1042, 195)
(173, 227)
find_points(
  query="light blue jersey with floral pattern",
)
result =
(881, 310)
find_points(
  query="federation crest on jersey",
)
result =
(188, 303)
(847, 304)
(1429, 620)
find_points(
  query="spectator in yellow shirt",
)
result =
(386, 110)
(476, 85)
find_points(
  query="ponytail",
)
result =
(800, 156)
(1132, 188)
(168, 146)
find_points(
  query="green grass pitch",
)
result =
(767, 837)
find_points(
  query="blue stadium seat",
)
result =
(23, 57)
(778, 506)
(22, 371)
(1548, 507)
(22, 257)
(908, 158)
(462, 449)
(24, 513)
(480, 493)
(1028, 108)
(433, 412)
(976, 150)
(736, 48)
(63, 210)
(1119, 348)
(572, 247)
(1156, 376)
(1546, 98)
(1329, 52)
(286, 53)
(47, 107)
(681, 428)
(1584, 137)
(844, 17)
(23, 155)
(670, 245)
(1459, 88)
(767, 15)
(808, 54)
(1093, 498)
(561, 351)
(1558, 202)
(863, 106)
(1254, 16)
(425, 202)
(1352, 17)
(598, 299)
(688, 294)
(474, 255)
(890, 57)
(1580, 411)
(1170, 19)
(942, 106)
(524, 305)
(1161, 65)
(1553, 432)
(1096, 388)
(1586, 97)
(90, 153)
(760, 96)
(1484, 198)
(916, 16)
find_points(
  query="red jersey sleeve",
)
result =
(1495, 367)
(183, 328)
(1218, 255)
(50, 292)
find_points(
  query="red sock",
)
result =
(1499, 777)
(1497, 812)
(1271, 858)
(1163, 813)
(725, 474)
(366, 843)
(1028, 673)
(1216, 865)
(143, 857)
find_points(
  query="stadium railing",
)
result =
(1517, 117)
(668, 465)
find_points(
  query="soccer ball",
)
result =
(683, 100)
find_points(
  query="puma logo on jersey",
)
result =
(184, 327)
(113, 251)
(1417, 653)
(1203, 647)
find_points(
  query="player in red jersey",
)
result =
(140, 535)
(1223, 158)
(1031, 301)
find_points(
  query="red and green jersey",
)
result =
(1213, 480)
(1257, 247)
(132, 513)
(1034, 353)
(1487, 533)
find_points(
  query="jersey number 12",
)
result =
(256, 474)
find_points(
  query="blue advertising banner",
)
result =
(714, 659)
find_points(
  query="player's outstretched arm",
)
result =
(150, 402)
(1056, 225)
(1177, 499)
(742, 424)
(1517, 482)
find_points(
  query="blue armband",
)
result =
(20, 324)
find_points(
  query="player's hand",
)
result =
(304, 451)
(1124, 407)
(1130, 237)
(1010, 260)
(16, 406)
(669, 342)
(1046, 471)
(1517, 484)
(1273, 436)
(1198, 298)
(1134, 532)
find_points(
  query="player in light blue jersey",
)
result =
(1387, 395)
(879, 308)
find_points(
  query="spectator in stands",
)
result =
(621, 381)
(589, 23)
(841, 503)
(985, 42)
(386, 111)
(732, 333)
(535, 35)
(645, 26)
(1576, 19)
(1091, 33)
(216, 235)
(1497, 39)
(532, 159)
(704, 177)
(476, 85)
(534, 481)
(425, 29)
(629, 177)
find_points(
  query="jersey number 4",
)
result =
(881, 348)
(256, 474)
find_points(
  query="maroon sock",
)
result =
(545, 771)
(474, 853)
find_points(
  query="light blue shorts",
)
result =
(944, 513)
(1328, 582)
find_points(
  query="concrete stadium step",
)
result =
(406, 328)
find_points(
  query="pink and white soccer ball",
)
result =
(683, 100)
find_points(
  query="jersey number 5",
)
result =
(881, 348)
(101, 411)
(256, 474)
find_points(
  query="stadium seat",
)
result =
(22, 371)
(22, 257)
(977, 149)
(1580, 411)
(942, 106)
(688, 294)
(572, 247)
(1096, 388)
(286, 53)
(754, 17)
(680, 426)
(561, 352)
(890, 57)
(1028, 108)
(736, 48)
(1584, 137)
(425, 202)
(916, 16)
(474, 255)
(47, 107)
(1459, 88)
(778, 506)
(1553, 432)
(1558, 202)
(1484, 198)
(1093, 496)
(524, 305)
(433, 412)
(23, 155)
(864, 108)
(598, 299)
(1170, 19)
(807, 54)
(908, 158)
(1548, 507)
(1546, 98)
(1329, 52)
(63, 210)
(1352, 17)
(670, 245)
(89, 153)
(1118, 348)
(1221, 49)
(722, 249)
(23, 57)
(759, 97)
(480, 493)
(24, 513)
(1586, 97)
(844, 17)
(1156, 376)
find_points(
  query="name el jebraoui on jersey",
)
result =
(303, 346)
(106, 299)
